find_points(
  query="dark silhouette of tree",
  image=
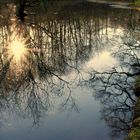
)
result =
(116, 88)
(58, 41)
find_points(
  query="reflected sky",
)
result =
(61, 125)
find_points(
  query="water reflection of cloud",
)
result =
(101, 62)
(104, 60)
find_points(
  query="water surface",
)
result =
(67, 70)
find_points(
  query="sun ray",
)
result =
(17, 48)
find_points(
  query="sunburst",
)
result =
(17, 48)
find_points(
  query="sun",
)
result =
(17, 48)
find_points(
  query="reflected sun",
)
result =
(17, 49)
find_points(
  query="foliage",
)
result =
(137, 2)
(135, 131)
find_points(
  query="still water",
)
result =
(67, 70)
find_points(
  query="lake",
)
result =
(68, 69)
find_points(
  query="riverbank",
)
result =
(134, 133)
(119, 3)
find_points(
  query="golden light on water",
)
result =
(17, 48)
(17, 42)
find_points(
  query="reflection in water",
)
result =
(16, 47)
(47, 55)
(117, 87)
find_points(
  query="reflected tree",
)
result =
(58, 43)
(116, 88)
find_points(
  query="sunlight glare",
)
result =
(101, 62)
(17, 49)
